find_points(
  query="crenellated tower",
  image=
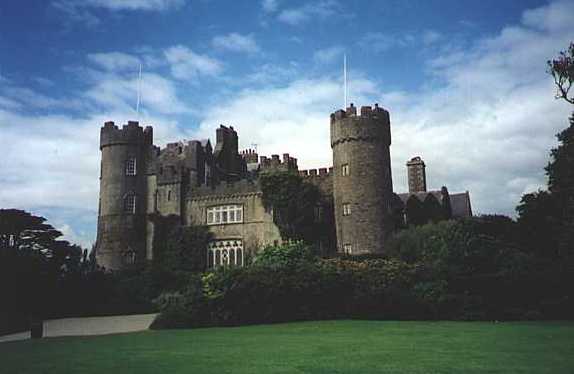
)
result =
(362, 184)
(121, 239)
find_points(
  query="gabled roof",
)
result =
(460, 204)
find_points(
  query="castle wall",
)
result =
(257, 229)
(362, 197)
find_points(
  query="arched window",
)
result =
(131, 166)
(225, 253)
(130, 203)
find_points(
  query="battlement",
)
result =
(250, 156)
(276, 164)
(375, 112)
(372, 125)
(131, 133)
(321, 172)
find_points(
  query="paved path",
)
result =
(89, 326)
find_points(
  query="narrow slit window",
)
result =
(131, 166)
(130, 204)
(347, 209)
(345, 170)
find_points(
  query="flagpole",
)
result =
(345, 79)
(139, 91)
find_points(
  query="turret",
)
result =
(362, 185)
(121, 235)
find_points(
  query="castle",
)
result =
(218, 187)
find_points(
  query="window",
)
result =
(129, 257)
(347, 209)
(131, 166)
(345, 170)
(225, 253)
(130, 203)
(168, 195)
(318, 214)
(348, 248)
(223, 214)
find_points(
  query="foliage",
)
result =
(33, 265)
(290, 254)
(562, 70)
(180, 248)
(293, 201)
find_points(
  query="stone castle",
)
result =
(218, 187)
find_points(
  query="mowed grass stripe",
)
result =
(309, 347)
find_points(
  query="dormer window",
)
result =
(131, 166)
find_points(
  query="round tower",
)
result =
(362, 184)
(121, 234)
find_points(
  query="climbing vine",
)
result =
(293, 201)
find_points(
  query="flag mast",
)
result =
(345, 79)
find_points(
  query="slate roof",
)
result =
(460, 204)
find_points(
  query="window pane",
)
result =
(217, 217)
(224, 216)
(210, 217)
(240, 214)
(232, 216)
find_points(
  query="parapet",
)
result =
(250, 156)
(275, 163)
(321, 172)
(131, 133)
(225, 190)
(366, 111)
(371, 125)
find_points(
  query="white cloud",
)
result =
(270, 6)
(380, 42)
(82, 11)
(312, 10)
(236, 43)
(188, 65)
(148, 5)
(328, 55)
(115, 61)
(157, 94)
(430, 37)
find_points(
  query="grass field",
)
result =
(309, 347)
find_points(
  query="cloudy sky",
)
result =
(465, 83)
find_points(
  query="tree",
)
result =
(33, 262)
(562, 70)
(24, 232)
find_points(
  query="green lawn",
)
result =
(309, 347)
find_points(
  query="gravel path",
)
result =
(89, 326)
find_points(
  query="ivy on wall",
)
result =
(293, 201)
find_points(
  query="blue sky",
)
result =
(465, 84)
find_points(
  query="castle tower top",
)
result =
(372, 124)
(131, 133)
